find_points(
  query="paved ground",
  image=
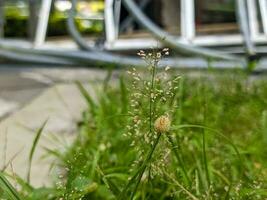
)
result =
(20, 84)
(16, 90)
(62, 105)
(29, 96)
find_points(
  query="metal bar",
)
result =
(242, 17)
(117, 14)
(109, 22)
(187, 20)
(170, 40)
(92, 58)
(252, 18)
(33, 16)
(206, 41)
(263, 11)
(42, 23)
(225, 40)
(74, 33)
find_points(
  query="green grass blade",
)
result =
(212, 130)
(110, 184)
(180, 161)
(34, 144)
(227, 196)
(264, 126)
(205, 160)
(180, 101)
(130, 182)
(190, 195)
(94, 164)
(90, 102)
(138, 175)
(107, 78)
(23, 184)
(8, 188)
(123, 91)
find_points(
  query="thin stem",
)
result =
(213, 131)
(205, 157)
(151, 113)
(204, 147)
(181, 163)
(180, 99)
(4, 150)
(192, 196)
(144, 166)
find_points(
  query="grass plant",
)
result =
(156, 135)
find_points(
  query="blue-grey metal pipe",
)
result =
(129, 20)
(56, 57)
(35, 59)
(90, 57)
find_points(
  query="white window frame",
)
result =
(188, 30)
(41, 28)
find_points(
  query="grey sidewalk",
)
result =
(62, 106)
(32, 96)
(20, 84)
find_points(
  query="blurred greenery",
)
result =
(230, 109)
(16, 20)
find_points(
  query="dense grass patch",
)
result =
(215, 147)
(230, 110)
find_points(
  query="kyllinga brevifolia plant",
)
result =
(155, 135)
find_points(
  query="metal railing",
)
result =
(188, 28)
(188, 41)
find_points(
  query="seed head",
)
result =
(162, 124)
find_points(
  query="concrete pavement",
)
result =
(29, 96)
(21, 84)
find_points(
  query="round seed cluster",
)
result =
(162, 124)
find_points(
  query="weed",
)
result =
(158, 135)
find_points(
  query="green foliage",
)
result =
(229, 108)
(214, 149)
(16, 22)
(34, 145)
(7, 190)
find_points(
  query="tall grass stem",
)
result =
(144, 165)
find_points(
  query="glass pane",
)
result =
(171, 16)
(164, 13)
(215, 17)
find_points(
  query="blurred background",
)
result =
(20, 18)
(17, 17)
(210, 16)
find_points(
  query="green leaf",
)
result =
(8, 189)
(35, 142)
(213, 131)
(24, 185)
(123, 90)
(45, 193)
(110, 184)
(90, 102)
